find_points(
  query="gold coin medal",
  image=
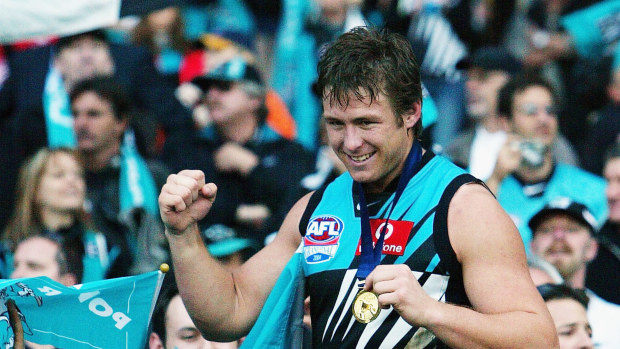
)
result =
(365, 306)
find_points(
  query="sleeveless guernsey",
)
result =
(416, 235)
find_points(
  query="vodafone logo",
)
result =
(396, 236)
(388, 231)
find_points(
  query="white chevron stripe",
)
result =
(396, 334)
(372, 327)
(344, 286)
(347, 309)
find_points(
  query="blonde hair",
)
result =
(26, 218)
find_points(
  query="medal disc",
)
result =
(365, 307)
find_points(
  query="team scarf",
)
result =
(57, 110)
(137, 186)
(99, 314)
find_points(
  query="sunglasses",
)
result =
(530, 109)
(221, 85)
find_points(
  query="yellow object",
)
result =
(164, 268)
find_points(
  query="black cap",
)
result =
(491, 58)
(566, 206)
(236, 69)
(97, 34)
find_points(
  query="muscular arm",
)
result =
(223, 305)
(507, 310)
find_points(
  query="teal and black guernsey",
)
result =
(416, 235)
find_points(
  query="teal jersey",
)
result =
(416, 235)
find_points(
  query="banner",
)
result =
(100, 314)
(26, 19)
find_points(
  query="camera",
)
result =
(532, 153)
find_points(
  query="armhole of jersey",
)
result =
(315, 198)
(441, 237)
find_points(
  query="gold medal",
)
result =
(365, 306)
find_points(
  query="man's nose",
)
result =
(352, 139)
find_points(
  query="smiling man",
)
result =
(459, 278)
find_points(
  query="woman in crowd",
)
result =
(50, 201)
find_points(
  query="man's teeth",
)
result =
(361, 157)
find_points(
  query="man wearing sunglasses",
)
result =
(258, 169)
(531, 168)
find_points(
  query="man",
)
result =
(258, 170)
(603, 274)
(173, 328)
(42, 256)
(121, 185)
(563, 236)
(568, 308)
(34, 100)
(476, 148)
(527, 173)
(371, 91)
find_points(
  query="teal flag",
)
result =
(112, 313)
(279, 324)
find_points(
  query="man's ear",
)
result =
(155, 342)
(591, 250)
(413, 115)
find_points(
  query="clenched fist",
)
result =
(185, 199)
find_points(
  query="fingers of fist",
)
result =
(181, 190)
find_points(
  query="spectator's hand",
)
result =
(509, 157)
(185, 199)
(16, 324)
(508, 161)
(232, 157)
(397, 286)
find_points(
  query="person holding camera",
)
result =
(528, 171)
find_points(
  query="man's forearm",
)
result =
(461, 327)
(207, 289)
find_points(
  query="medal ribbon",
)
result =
(371, 257)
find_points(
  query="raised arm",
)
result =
(507, 310)
(223, 305)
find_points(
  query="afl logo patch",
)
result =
(322, 237)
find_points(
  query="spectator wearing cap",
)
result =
(603, 276)
(257, 171)
(476, 148)
(563, 235)
(529, 171)
(227, 246)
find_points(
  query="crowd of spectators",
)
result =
(527, 94)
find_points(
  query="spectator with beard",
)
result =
(563, 236)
